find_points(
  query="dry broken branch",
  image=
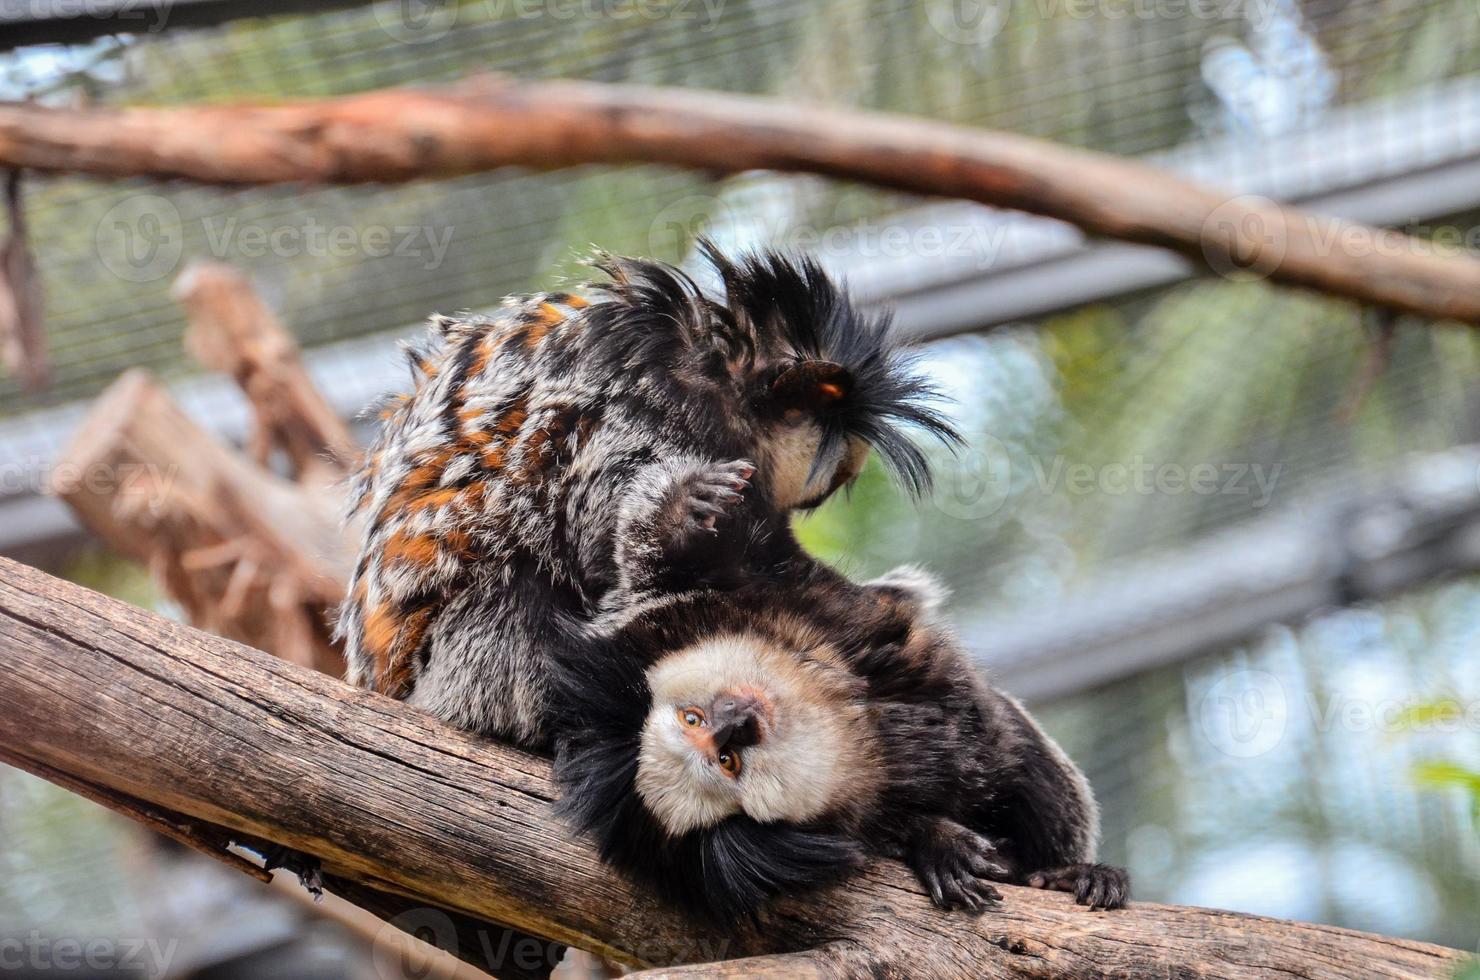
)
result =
(403, 134)
(193, 724)
(248, 554)
(232, 331)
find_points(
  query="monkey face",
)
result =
(805, 446)
(740, 725)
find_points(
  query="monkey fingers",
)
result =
(1099, 886)
(956, 865)
(705, 496)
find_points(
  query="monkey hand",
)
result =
(1099, 886)
(672, 525)
(957, 866)
(700, 499)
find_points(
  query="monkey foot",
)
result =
(1097, 885)
(957, 867)
(305, 866)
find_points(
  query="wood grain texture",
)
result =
(401, 134)
(200, 726)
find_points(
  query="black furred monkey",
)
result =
(730, 744)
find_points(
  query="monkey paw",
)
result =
(1097, 885)
(701, 498)
(957, 867)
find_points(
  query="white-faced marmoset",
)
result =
(727, 745)
(492, 495)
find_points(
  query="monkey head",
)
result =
(741, 725)
(719, 770)
(783, 365)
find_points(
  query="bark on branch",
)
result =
(401, 134)
(186, 723)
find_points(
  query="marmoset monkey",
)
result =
(729, 745)
(492, 495)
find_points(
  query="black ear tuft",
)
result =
(791, 306)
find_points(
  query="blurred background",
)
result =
(1224, 536)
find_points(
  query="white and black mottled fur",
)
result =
(492, 496)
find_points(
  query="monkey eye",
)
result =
(691, 717)
(729, 761)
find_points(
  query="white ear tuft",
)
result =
(919, 585)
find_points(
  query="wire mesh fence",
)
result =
(1121, 430)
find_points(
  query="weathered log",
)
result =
(387, 796)
(248, 554)
(404, 134)
(232, 331)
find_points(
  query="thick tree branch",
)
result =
(193, 724)
(402, 134)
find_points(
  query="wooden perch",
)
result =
(404, 134)
(248, 554)
(151, 710)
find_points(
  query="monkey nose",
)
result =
(736, 721)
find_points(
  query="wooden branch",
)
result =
(403, 134)
(248, 554)
(389, 797)
(231, 330)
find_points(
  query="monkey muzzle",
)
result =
(737, 721)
